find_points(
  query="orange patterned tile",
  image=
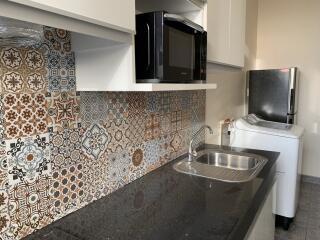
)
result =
(63, 111)
(22, 70)
(25, 114)
(67, 190)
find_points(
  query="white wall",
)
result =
(228, 101)
(289, 35)
(225, 102)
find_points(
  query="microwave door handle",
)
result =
(177, 18)
(149, 53)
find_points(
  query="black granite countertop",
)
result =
(168, 205)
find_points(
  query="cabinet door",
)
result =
(218, 14)
(264, 227)
(119, 15)
(226, 31)
(237, 32)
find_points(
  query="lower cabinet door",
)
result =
(264, 226)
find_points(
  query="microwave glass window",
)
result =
(181, 49)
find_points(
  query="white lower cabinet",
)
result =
(263, 227)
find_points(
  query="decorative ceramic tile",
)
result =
(176, 142)
(117, 105)
(95, 141)
(118, 169)
(136, 104)
(198, 107)
(185, 100)
(64, 111)
(57, 40)
(22, 70)
(67, 190)
(164, 102)
(176, 121)
(153, 151)
(30, 206)
(175, 102)
(11, 58)
(138, 162)
(61, 61)
(153, 102)
(136, 129)
(152, 129)
(157, 153)
(5, 236)
(3, 166)
(66, 147)
(2, 120)
(25, 114)
(28, 158)
(61, 72)
(185, 119)
(117, 130)
(165, 123)
(4, 211)
(96, 184)
(93, 108)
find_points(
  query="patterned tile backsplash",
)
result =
(61, 149)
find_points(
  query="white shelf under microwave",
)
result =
(173, 86)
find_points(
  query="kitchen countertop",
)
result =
(165, 204)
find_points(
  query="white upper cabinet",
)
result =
(118, 15)
(226, 31)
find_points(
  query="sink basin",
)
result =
(228, 160)
(228, 166)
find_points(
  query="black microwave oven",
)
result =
(169, 49)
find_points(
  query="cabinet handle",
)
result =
(149, 53)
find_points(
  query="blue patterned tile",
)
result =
(164, 102)
(95, 141)
(60, 60)
(93, 108)
(153, 105)
(66, 148)
(61, 72)
(28, 158)
(185, 100)
(153, 151)
(118, 169)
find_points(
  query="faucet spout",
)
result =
(192, 151)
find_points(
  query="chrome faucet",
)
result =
(193, 152)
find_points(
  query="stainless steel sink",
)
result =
(228, 166)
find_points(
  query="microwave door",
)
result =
(181, 56)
